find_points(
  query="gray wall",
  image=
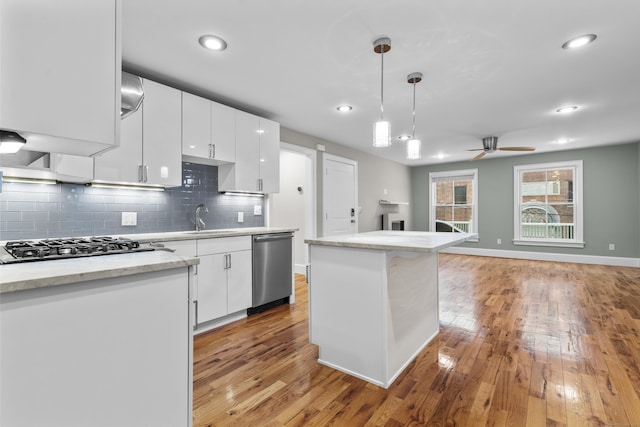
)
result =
(611, 199)
(35, 211)
(374, 175)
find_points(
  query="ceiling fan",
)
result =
(490, 144)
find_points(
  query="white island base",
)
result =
(373, 310)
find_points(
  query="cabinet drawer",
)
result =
(182, 247)
(223, 244)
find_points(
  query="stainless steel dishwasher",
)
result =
(272, 270)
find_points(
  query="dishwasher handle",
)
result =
(272, 237)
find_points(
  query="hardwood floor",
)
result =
(521, 343)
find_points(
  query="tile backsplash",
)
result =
(36, 211)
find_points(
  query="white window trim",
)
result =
(474, 197)
(578, 237)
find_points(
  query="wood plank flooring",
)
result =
(521, 343)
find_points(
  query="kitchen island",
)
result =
(100, 341)
(373, 299)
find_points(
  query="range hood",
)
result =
(132, 94)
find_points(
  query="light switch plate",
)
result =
(240, 216)
(129, 219)
(257, 210)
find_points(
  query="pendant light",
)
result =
(381, 128)
(414, 145)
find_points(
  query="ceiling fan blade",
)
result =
(476, 149)
(478, 157)
(517, 148)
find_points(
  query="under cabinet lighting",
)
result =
(242, 193)
(29, 180)
(125, 186)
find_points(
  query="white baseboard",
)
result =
(300, 269)
(543, 256)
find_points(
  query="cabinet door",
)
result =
(223, 132)
(212, 287)
(122, 164)
(60, 65)
(70, 168)
(161, 139)
(196, 126)
(269, 156)
(239, 277)
(247, 171)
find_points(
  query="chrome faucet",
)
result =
(199, 222)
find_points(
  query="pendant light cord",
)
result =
(382, 82)
(413, 131)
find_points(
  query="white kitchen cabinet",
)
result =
(256, 168)
(150, 144)
(208, 131)
(269, 156)
(224, 276)
(239, 277)
(162, 133)
(223, 132)
(212, 287)
(71, 168)
(105, 352)
(196, 127)
(60, 73)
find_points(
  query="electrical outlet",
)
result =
(612, 246)
(257, 210)
(499, 241)
(129, 219)
(240, 216)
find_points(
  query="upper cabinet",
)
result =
(257, 164)
(208, 131)
(150, 146)
(60, 73)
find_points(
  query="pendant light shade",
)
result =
(382, 128)
(414, 149)
(414, 145)
(381, 134)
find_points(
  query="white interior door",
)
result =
(339, 195)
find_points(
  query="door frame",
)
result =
(325, 195)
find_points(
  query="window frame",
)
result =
(435, 176)
(578, 232)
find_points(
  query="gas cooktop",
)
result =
(51, 249)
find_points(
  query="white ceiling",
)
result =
(491, 67)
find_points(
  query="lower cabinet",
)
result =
(224, 276)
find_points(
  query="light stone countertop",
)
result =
(32, 275)
(38, 274)
(204, 234)
(407, 241)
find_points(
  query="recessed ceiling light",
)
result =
(561, 141)
(579, 41)
(567, 109)
(212, 43)
(344, 108)
(404, 137)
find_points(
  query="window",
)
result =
(454, 201)
(548, 204)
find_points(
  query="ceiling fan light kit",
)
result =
(490, 144)
(382, 128)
